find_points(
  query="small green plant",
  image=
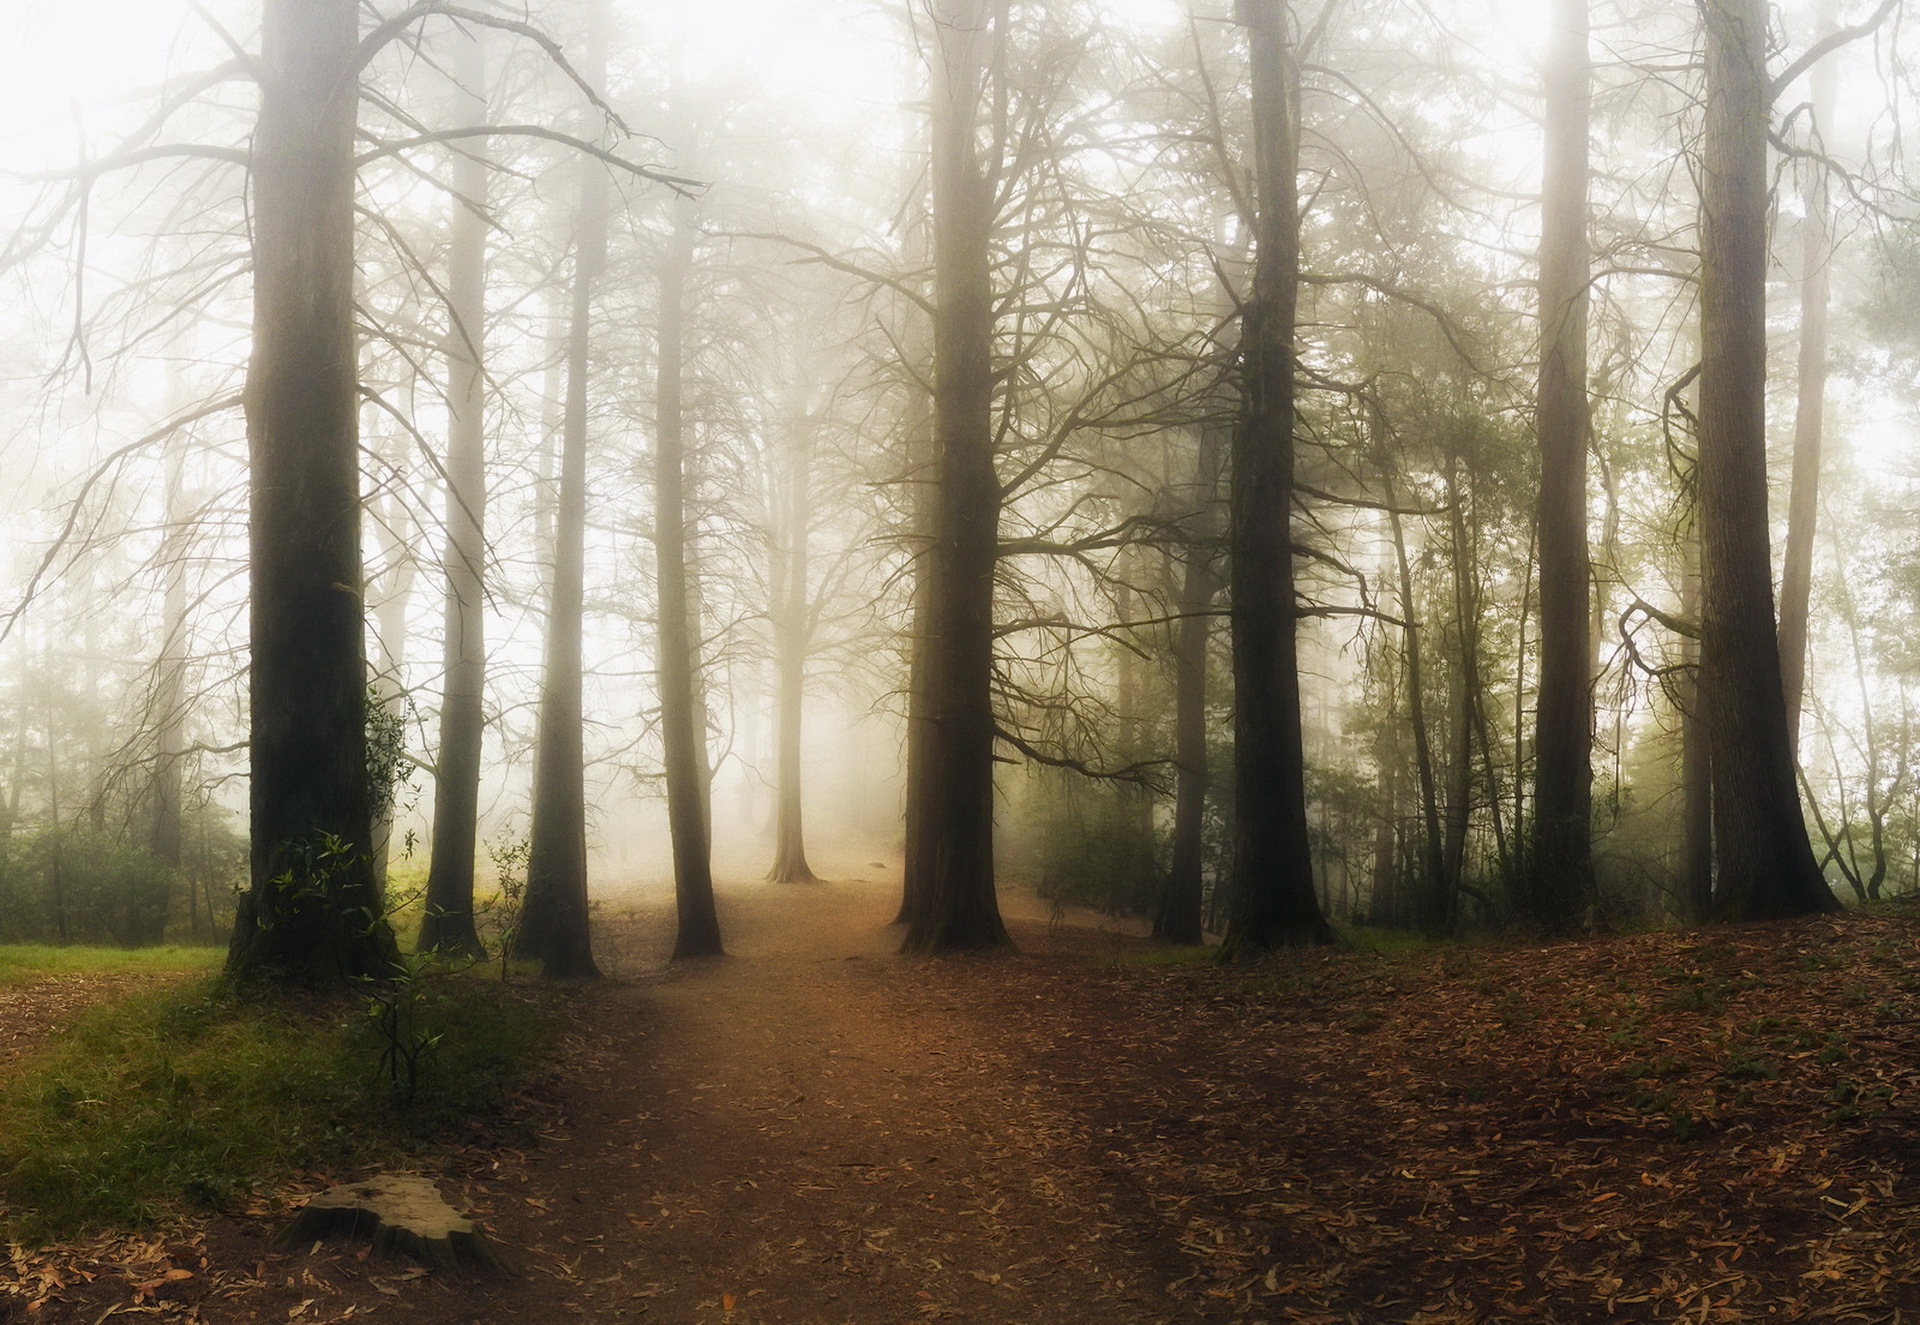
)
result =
(1513, 1008)
(395, 1008)
(1631, 1034)
(1708, 995)
(388, 767)
(1651, 1099)
(1856, 1103)
(1747, 1065)
(1663, 1067)
(502, 911)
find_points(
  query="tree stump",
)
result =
(399, 1213)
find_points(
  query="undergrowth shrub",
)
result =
(198, 1097)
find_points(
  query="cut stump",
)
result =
(400, 1213)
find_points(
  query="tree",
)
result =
(1765, 861)
(1561, 880)
(311, 913)
(682, 720)
(1273, 902)
(447, 920)
(956, 785)
(1178, 919)
(554, 923)
(791, 615)
(1810, 399)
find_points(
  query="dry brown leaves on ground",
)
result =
(1700, 1126)
(1710, 1126)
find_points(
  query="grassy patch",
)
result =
(198, 1097)
(21, 963)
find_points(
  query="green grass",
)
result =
(21, 963)
(194, 1097)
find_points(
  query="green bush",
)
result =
(80, 884)
(1098, 848)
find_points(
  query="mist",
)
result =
(762, 294)
(936, 605)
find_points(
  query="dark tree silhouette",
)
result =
(682, 722)
(1561, 878)
(447, 922)
(955, 788)
(1765, 862)
(1272, 899)
(1178, 918)
(311, 913)
(554, 926)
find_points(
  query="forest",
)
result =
(1275, 638)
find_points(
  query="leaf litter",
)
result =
(1685, 1125)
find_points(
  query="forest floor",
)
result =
(1684, 1125)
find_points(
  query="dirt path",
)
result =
(809, 1131)
(812, 1129)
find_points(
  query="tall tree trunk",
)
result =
(792, 637)
(1803, 502)
(1696, 766)
(447, 921)
(1766, 865)
(554, 922)
(1561, 878)
(1178, 919)
(1272, 899)
(682, 724)
(311, 913)
(1435, 903)
(921, 463)
(399, 571)
(1384, 904)
(962, 911)
(1466, 702)
(916, 858)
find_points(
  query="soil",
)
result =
(1699, 1126)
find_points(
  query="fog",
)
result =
(762, 367)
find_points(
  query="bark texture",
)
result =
(554, 927)
(682, 718)
(1179, 917)
(1810, 399)
(1272, 898)
(1561, 878)
(1765, 863)
(961, 911)
(311, 912)
(1696, 765)
(447, 923)
(792, 619)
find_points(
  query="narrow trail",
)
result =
(809, 1129)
